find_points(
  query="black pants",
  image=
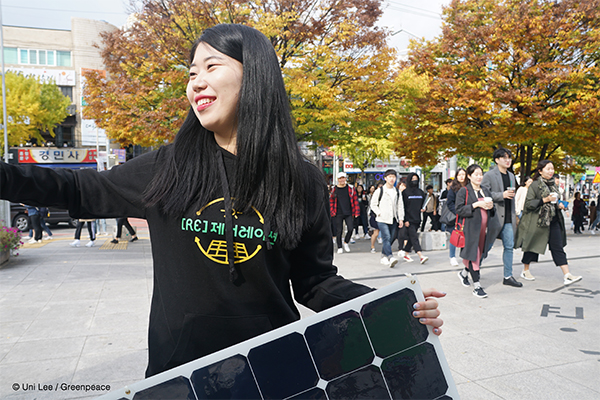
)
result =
(339, 227)
(402, 236)
(555, 244)
(413, 238)
(361, 220)
(124, 222)
(90, 227)
(37, 227)
(425, 216)
(578, 223)
(474, 274)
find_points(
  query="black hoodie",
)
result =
(196, 309)
(414, 198)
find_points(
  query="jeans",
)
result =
(452, 250)
(508, 241)
(387, 231)
(595, 223)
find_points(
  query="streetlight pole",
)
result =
(4, 205)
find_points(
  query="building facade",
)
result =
(61, 55)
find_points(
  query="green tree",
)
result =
(522, 74)
(31, 107)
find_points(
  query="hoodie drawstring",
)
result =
(233, 274)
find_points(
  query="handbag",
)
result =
(447, 216)
(457, 238)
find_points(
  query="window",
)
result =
(33, 57)
(24, 56)
(67, 91)
(11, 55)
(63, 58)
(50, 57)
(42, 57)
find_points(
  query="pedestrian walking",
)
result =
(413, 198)
(543, 225)
(460, 181)
(123, 222)
(501, 183)
(388, 206)
(239, 221)
(343, 204)
(474, 205)
(91, 227)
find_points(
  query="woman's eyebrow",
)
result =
(207, 59)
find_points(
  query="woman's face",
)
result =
(461, 176)
(371, 189)
(359, 189)
(476, 177)
(213, 90)
(548, 171)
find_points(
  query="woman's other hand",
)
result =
(427, 311)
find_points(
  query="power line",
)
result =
(395, 3)
(394, 8)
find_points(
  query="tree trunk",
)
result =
(529, 158)
(524, 170)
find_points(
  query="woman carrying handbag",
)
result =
(475, 206)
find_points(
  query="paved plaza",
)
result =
(78, 316)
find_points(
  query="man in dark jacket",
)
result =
(413, 198)
(343, 205)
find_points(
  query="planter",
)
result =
(4, 256)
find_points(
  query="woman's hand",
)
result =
(548, 198)
(427, 311)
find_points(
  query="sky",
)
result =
(408, 20)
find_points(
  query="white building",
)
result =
(61, 55)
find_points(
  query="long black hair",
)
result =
(470, 169)
(271, 171)
(456, 185)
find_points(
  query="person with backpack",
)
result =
(388, 207)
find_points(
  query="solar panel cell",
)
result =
(227, 379)
(366, 383)
(283, 367)
(339, 345)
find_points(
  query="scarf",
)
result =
(547, 210)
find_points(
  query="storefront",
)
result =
(52, 157)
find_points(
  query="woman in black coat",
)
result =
(477, 224)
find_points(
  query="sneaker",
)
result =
(527, 276)
(478, 292)
(384, 260)
(90, 244)
(32, 241)
(367, 236)
(379, 240)
(464, 279)
(373, 250)
(393, 261)
(407, 258)
(133, 239)
(114, 241)
(48, 238)
(424, 259)
(75, 243)
(340, 251)
(593, 232)
(511, 281)
(352, 241)
(571, 279)
(454, 262)
(26, 237)
(401, 253)
(346, 247)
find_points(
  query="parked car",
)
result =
(20, 219)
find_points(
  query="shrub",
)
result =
(10, 238)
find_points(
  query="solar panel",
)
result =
(370, 347)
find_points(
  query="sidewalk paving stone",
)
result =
(80, 316)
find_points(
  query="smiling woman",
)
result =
(237, 216)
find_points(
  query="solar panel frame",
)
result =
(249, 348)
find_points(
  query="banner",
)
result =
(54, 156)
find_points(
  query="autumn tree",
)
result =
(522, 74)
(335, 61)
(31, 107)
